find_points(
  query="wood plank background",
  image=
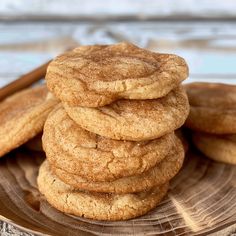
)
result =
(202, 31)
(208, 47)
(113, 9)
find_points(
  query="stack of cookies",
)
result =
(110, 145)
(213, 120)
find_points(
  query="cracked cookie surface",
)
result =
(158, 175)
(96, 158)
(94, 76)
(98, 206)
(134, 120)
(22, 117)
(212, 108)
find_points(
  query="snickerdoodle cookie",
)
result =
(22, 117)
(158, 175)
(99, 206)
(134, 120)
(70, 147)
(94, 76)
(217, 147)
(213, 108)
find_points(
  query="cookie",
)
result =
(35, 144)
(134, 120)
(22, 117)
(94, 76)
(94, 157)
(213, 108)
(220, 148)
(98, 206)
(158, 175)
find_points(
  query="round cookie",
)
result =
(134, 120)
(96, 158)
(94, 76)
(22, 117)
(213, 108)
(35, 144)
(158, 175)
(98, 206)
(220, 148)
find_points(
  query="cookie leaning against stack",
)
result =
(110, 146)
(22, 116)
(213, 119)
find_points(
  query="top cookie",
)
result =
(213, 107)
(22, 117)
(94, 76)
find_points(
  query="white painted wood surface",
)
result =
(98, 9)
(208, 47)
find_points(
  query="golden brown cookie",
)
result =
(94, 76)
(70, 147)
(213, 108)
(134, 120)
(217, 147)
(158, 175)
(98, 206)
(22, 117)
(35, 144)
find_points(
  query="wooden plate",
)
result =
(201, 200)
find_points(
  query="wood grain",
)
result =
(201, 200)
